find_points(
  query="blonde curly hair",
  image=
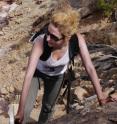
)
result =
(66, 20)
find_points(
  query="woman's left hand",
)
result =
(109, 98)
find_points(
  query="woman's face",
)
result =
(54, 37)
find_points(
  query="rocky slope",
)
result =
(27, 17)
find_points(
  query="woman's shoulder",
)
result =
(78, 34)
(38, 43)
(37, 39)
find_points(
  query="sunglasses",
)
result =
(53, 37)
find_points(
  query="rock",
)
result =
(13, 7)
(116, 14)
(1, 34)
(7, 89)
(84, 11)
(113, 17)
(4, 105)
(78, 107)
(4, 91)
(113, 38)
(4, 120)
(114, 96)
(59, 110)
(85, 7)
(80, 93)
(11, 89)
(92, 117)
(108, 90)
(82, 3)
(3, 20)
(4, 14)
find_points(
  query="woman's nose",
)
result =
(48, 37)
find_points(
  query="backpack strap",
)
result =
(47, 50)
(73, 51)
(73, 48)
(43, 30)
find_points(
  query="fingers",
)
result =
(18, 120)
(102, 101)
(114, 96)
(108, 99)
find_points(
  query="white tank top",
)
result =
(53, 67)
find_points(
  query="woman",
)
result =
(63, 25)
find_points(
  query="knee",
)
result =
(47, 108)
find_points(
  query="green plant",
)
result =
(108, 6)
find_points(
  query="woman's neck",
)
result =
(62, 46)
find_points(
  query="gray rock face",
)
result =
(105, 115)
(85, 7)
(5, 9)
(116, 14)
(75, 3)
(82, 3)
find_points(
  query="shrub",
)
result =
(108, 6)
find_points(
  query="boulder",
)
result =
(4, 91)
(80, 93)
(85, 7)
(113, 38)
(116, 14)
(105, 115)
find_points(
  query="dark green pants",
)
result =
(52, 86)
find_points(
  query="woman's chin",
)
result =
(49, 44)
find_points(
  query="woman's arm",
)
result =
(84, 53)
(32, 63)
